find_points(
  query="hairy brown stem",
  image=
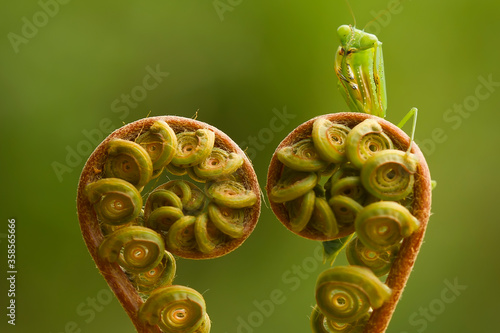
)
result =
(91, 231)
(402, 267)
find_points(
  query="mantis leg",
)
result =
(412, 113)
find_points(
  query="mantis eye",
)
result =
(344, 32)
(367, 40)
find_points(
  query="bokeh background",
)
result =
(67, 73)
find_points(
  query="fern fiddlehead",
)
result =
(175, 309)
(302, 156)
(365, 140)
(231, 194)
(160, 143)
(292, 185)
(133, 242)
(218, 164)
(389, 175)
(379, 188)
(383, 224)
(161, 275)
(322, 324)
(329, 140)
(356, 197)
(379, 261)
(115, 201)
(345, 294)
(193, 147)
(128, 161)
(136, 249)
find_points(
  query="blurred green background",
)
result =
(65, 73)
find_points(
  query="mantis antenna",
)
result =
(350, 10)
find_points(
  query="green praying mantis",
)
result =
(359, 65)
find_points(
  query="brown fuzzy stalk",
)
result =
(91, 231)
(402, 266)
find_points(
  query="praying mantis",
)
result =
(359, 65)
